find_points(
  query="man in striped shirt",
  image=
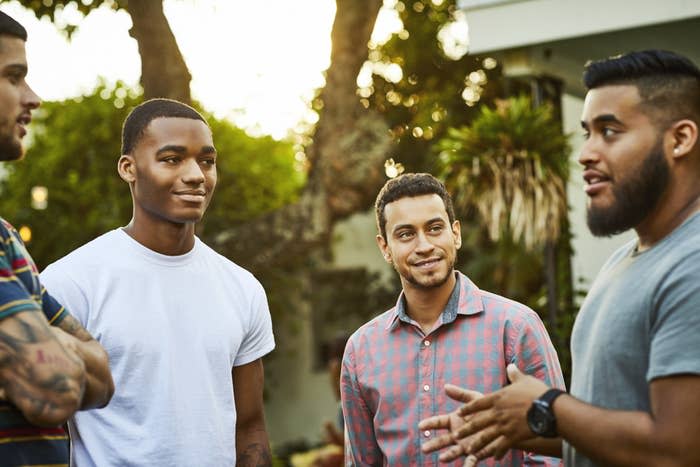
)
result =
(49, 365)
(443, 330)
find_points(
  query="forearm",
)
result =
(252, 445)
(616, 438)
(546, 446)
(43, 379)
(99, 386)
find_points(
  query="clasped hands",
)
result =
(486, 425)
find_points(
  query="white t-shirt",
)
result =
(173, 326)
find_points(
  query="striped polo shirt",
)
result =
(20, 290)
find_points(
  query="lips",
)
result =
(595, 180)
(192, 196)
(22, 122)
(427, 263)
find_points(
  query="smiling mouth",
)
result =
(595, 182)
(192, 196)
(428, 263)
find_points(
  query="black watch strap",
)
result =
(550, 396)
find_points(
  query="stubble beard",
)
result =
(10, 149)
(634, 198)
(430, 283)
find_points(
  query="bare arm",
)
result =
(665, 437)
(99, 386)
(43, 379)
(252, 444)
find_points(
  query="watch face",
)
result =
(540, 420)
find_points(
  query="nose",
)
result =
(589, 154)
(192, 172)
(423, 245)
(30, 99)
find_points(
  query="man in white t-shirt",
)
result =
(184, 327)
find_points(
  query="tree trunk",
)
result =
(349, 147)
(164, 72)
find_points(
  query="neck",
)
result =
(425, 305)
(666, 217)
(166, 238)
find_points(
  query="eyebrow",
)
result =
(605, 118)
(177, 149)
(16, 68)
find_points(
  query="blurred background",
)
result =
(313, 105)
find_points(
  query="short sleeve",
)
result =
(675, 323)
(60, 288)
(258, 339)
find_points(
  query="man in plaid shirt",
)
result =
(442, 331)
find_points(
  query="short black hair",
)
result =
(10, 27)
(668, 83)
(142, 115)
(409, 186)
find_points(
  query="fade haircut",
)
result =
(10, 27)
(410, 186)
(668, 83)
(142, 115)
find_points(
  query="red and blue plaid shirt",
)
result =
(393, 374)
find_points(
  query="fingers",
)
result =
(479, 439)
(477, 405)
(514, 374)
(470, 461)
(496, 448)
(435, 422)
(437, 443)
(455, 451)
(461, 394)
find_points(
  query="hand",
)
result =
(67, 341)
(498, 422)
(332, 434)
(452, 422)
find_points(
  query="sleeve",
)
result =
(258, 339)
(531, 349)
(54, 311)
(360, 443)
(675, 323)
(61, 289)
(14, 296)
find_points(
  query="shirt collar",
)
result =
(464, 300)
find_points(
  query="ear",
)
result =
(683, 137)
(127, 168)
(457, 233)
(384, 248)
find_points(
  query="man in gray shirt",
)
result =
(636, 341)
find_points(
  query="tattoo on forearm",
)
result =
(254, 455)
(35, 372)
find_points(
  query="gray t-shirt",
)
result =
(640, 321)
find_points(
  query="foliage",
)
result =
(52, 8)
(511, 164)
(74, 151)
(428, 99)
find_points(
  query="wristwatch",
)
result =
(540, 417)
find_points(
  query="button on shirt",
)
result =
(393, 374)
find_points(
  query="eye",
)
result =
(607, 132)
(436, 228)
(172, 160)
(586, 134)
(209, 161)
(404, 235)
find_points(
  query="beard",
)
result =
(634, 198)
(10, 148)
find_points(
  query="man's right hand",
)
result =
(44, 379)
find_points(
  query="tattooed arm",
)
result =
(99, 386)
(252, 444)
(42, 378)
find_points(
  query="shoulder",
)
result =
(229, 270)
(91, 252)
(373, 329)
(505, 307)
